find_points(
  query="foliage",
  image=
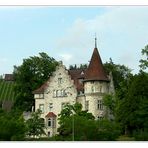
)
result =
(110, 103)
(141, 135)
(144, 62)
(79, 125)
(119, 72)
(29, 76)
(125, 138)
(70, 119)
(132, 112)
(82, 66)
(107, 130)
(35, 125)
(12, 126)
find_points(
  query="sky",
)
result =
(67, 33)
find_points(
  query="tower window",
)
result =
(100, 88)
(92, 89)
(100, 105)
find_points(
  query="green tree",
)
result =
(144, 62)
(107, 130)
(69, 121)
(74, 67)
(119, 72)
(79, 125)
(109, 102)
(12, 126)
(29, 76)
(35, 125)
(132, 112)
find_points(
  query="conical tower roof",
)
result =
(95, 69)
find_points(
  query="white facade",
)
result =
(61, 89)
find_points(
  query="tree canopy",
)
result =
(35, 125)
(33, 72)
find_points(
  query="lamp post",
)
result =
(73, 132)
(73, 135)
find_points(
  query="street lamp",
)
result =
(73, 135)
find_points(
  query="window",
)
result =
(59, 80)
(49, 122)
(87, 105)
(64, 93)
(39, 96)
(92, 89)
(53, 122)
(41, 107)
(59, 93)
(100, 105)
(54, 93)
(100, 88)
(48, 134)
(50, 106)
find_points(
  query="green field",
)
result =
(6, 90)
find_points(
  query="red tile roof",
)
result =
(76, 75)
(95, 69)
(50, 114)
(41, 89)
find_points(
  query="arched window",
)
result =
(49, 122)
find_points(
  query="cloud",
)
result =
(120, 30)
(66, 57)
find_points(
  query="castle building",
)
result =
(86, 86)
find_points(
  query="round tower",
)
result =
(96, 84)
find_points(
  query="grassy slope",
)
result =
(6, 90)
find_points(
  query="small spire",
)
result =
(95, 41)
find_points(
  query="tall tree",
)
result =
(29, 76)
(119, 72)
(132, 112)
